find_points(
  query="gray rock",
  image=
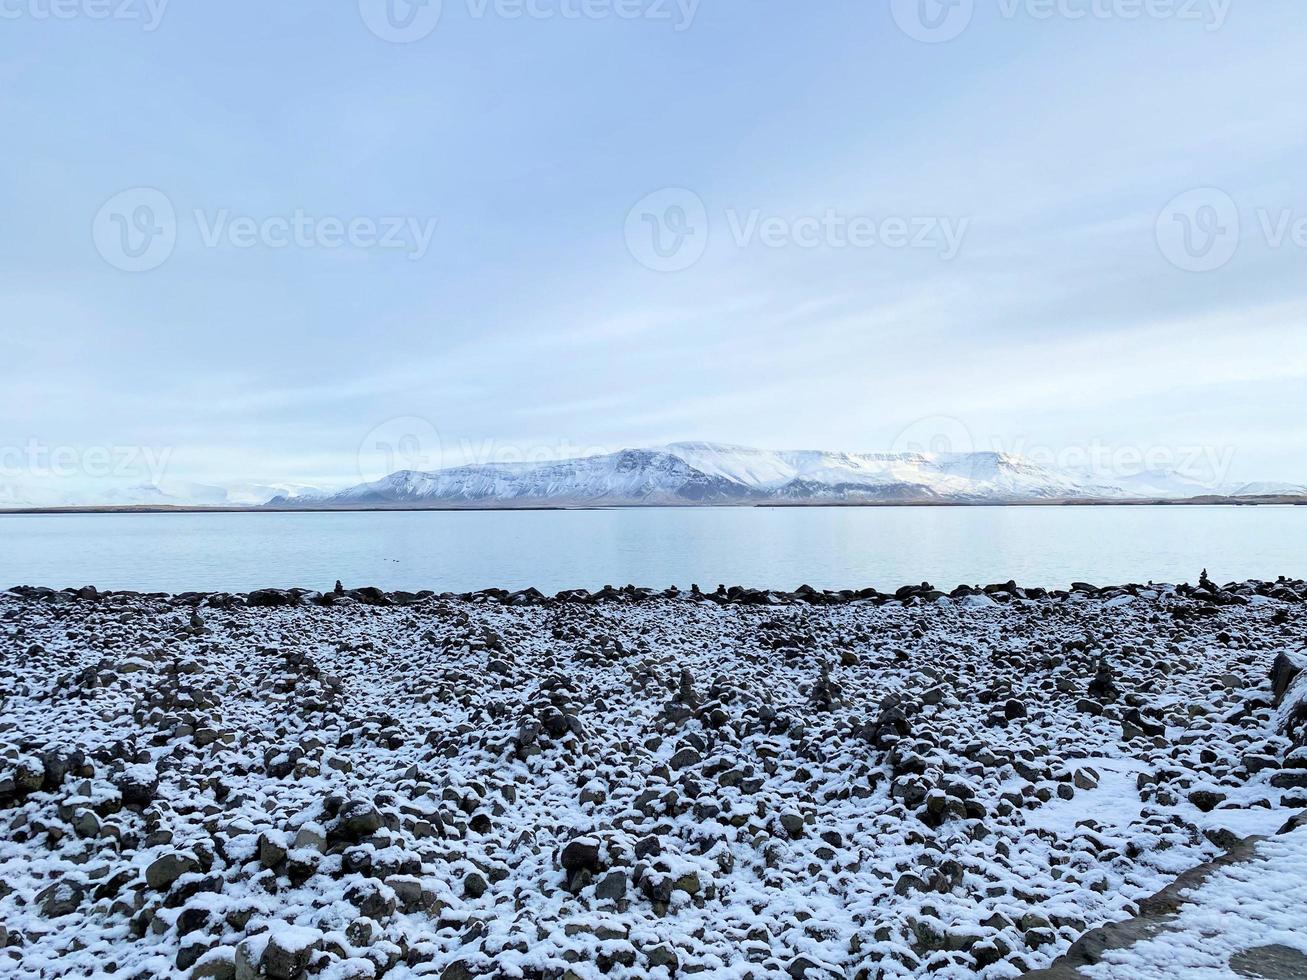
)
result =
(61, 898)
(246, 963)
(86, 823)
(475, 885)
(1085, 779)
(359, 818)
(408, 891)
(685, 758)
(372, 901)
(612, 887)
(219, 966)
(29, 774)
(1274, 962)
(361, 932)
(663, 956)
(138, 786)
(287, 953)
(165, 870)
(1290, 779)
(802, 968)
(271, 851)
(1206, 800)
(792, 823)
(311, 838)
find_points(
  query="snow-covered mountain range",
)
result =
(50, 494)
(707, 473)
(687, 473)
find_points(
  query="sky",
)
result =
(299, 242)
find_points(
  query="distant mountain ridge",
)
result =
(680, 474)
(49, 495)
(701, 473)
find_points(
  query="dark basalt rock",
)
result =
(265, 598)
(581, 854)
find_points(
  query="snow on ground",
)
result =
(633, 784)
(1114, 802)
(1246, 906)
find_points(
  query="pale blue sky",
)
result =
(1049, 146)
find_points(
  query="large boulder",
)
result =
(165, 870)
(61, 898)
(1289, 685)
(138, 784)
(1288, 667)
(359, 819)
(581, 854)
(287, 954)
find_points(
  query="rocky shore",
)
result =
(630, 782)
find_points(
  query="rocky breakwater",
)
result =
(627, 783)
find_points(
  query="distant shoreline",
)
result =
(1214, 500)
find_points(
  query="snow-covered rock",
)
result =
(622, 784)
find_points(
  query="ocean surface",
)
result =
(884, 547)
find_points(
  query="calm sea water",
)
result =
(552, 550)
